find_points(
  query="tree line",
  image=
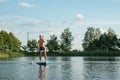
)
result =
(95, 40)
(8, 42)
(53, 44)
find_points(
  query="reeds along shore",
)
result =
(87, 53)
(10, 54)
(4, 55)
(79, 53)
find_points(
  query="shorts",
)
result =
(42, 48)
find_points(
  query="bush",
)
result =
(10, 54)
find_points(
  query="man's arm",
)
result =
(43, 39)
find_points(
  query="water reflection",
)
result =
(61, 68)
(100, 59)
(101, 68)
(42, 72)
(66, 69)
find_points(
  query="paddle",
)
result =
(34, 55)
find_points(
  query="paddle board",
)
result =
(43, 63)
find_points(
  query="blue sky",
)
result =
(53, 16)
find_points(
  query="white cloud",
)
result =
(4, 18)
(19, 17)
(118, 35)
(40, 23)
(19, 32)
(24, 4)
(33, 23)
(103, 30)
(77, 20)
(79, 17)
(49, 31)
(4, 24)
(10, 21)
(77, 35)
(6, 30)
(103, 22)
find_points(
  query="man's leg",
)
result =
(45, 56)
(40, 55)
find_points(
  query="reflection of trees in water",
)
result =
(101, 69)
(60, 69)
(42, 72)
(99, 59)
(53, 58)
(66, 68)
(59, 59)
(65, 59)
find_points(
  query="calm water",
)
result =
(61, 68)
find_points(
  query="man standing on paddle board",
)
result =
(41, 47)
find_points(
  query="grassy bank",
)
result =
(80, 53)
(87, 53)
(10, 54)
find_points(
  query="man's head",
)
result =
(40, 36)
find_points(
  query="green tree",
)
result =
(107, 42)
(32, 44)
(1, 41)
(52, 44)
(118, 44)
(63, 46)
(111, 32)
(67, 39)
(94, 45)
(24, 48)
(14, 43)
(89, 38)
(97, 33)
(9, 42)
(112, 40)
(4, 40)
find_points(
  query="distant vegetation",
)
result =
(95, 43)
(87, 53)
(53, 44)
(9, 45)
(94, 40)
(8, 42)
(10, 54)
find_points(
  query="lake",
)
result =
(61, 68)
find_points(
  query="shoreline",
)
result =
(80, 53)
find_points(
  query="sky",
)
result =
(49, 17)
